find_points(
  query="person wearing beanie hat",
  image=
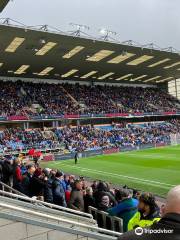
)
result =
(58, 190)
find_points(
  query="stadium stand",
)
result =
(70, 113)
(86, 138)
(33, 99)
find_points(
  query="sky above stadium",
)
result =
(143, 21)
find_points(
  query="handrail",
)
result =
(56, 227)
(87, 215)
(12, 189)
(40, 208)
(105, 231)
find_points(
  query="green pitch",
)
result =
(154, 170)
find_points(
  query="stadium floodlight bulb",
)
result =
(103, 31)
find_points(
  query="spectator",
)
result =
(76, 201)
(38, 183)
(7, 171)
(88, 199)
(103, 203)
(58, 190)
(27, 185)
(148, 212)
(48, 194)
(169, 223)
(126, 208)
(17, 176)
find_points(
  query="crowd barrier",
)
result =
(58, 157)
(104, 220)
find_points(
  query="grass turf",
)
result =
(154, 170)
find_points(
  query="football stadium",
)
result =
(89, 128)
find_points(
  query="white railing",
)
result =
(10, 189)
(52, 206)
(72, 223)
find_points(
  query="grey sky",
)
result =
(143, 21)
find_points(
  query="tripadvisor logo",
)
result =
(139, 231)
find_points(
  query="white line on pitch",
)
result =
(145, 181)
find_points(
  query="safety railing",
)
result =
(104, 220)
(52, 206)
(6, 187)
(61, 221)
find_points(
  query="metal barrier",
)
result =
(45, 204)
(90, 230)
(10, 189)
(104, 220)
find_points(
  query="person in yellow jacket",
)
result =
(148, 212)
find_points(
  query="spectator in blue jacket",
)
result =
(58, 190)
(126, 208)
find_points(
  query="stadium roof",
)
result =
(3, 3)
(27, 52)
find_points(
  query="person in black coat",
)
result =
(76, 157)
(48, 194)
(167, 228)
(27, 181)
(103, 190)
(7, 171)
(88, 199)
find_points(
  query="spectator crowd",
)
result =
(53, 186)
(86, 138)
(38, 99)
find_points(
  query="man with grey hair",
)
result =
(167, 228)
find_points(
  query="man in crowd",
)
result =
(27, 181)
(76, 201)
(148, 212)
(126, 208)
(168, 227)
(58, 190)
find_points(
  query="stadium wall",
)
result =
(59, 157)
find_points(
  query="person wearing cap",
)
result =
(147, 214)
(126, 208)
(76, 201)
(58, 190)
